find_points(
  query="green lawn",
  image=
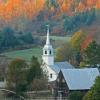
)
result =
(25, 54)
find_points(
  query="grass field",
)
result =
(61, 38)
(25, 54)
(36, 51)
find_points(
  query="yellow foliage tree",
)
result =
(65, 53)
(77, 39)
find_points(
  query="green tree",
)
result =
(1, 76)
(35, 71)
(7, 38)
(73, 23)
(92, 54)
(27, 38)
(68, 24)
(91, 16)
(76, 95)
(35, 76)
(16, 76)
(94, 92)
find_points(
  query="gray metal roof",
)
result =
(80, 79)
(61, 65)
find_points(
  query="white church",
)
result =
(73, 78)
(49, 66)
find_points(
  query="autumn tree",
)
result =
(71, 51)
(86, 41)
(17, 8)
(77, 39)
(65, 53)
(16, 76)
(98, 4)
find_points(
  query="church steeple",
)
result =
(48, 38)
(48, 56)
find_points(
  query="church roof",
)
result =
(80, 79)
(61, 65)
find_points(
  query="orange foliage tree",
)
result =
(98, 4)
(30, 8)
(16, 8)
(87, 40)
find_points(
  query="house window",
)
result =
(50, 75)
(50, 52)
(45, 52)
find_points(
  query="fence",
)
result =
(42, 95)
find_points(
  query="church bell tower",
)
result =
(48, 56)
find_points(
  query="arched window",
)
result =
(45, 52)
(50, 75)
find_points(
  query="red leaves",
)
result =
(87, 40)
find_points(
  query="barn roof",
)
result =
(80, 79)
(61, 65)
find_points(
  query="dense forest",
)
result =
(32, 15)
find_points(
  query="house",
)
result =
(76, 79)
(48, 65)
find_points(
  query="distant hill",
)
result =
(64, 16)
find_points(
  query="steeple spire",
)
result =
(48, 56)
(48, 38)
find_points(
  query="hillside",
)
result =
(94, 28)
(33, 15)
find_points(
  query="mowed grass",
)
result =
(59, 38)
(25, 54)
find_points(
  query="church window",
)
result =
(50, 75)
(45, 52)
(50, 52)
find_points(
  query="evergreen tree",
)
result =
(94, 92)
(7, 38)
(92, 54)
(35, 70)
(76, 95)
